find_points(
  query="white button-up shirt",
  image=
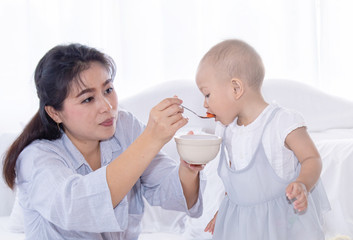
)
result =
(62, 198)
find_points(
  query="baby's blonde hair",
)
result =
(236, 59)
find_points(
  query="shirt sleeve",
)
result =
(162, 186)
(287, 121)
(67, 199)
(160, 181)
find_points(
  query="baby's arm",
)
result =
(304, 149)
(210, 226)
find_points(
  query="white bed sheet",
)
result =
(165, 236)
(5, 234)
(332, 134)
(336, 150)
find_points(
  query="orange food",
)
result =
(210, 115)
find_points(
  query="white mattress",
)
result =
(6, 235)
(4, 232)
(336, 150)
(332, 134)
(164, 236)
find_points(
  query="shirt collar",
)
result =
(107, 148)
(253, 125)
(77, 158)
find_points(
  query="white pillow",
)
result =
(321, 111)
(141, 103)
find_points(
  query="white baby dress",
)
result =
(256, 208)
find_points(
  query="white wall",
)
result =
(155, 41)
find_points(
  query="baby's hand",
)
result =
(210, 226)
(297, 191)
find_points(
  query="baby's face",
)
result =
(218, 93)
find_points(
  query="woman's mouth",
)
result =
(107, 123)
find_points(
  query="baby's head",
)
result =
(225, 73)
(234, 58)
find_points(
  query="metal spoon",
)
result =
(204, 117)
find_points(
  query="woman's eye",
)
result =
(109, 90)
(207, 95)
(87, 100)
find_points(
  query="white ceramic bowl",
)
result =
(198, 149)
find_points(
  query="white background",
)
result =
(154, 40)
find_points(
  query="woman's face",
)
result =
(90, 111)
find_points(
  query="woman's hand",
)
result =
(165, 119)
(122, 173)
(189, 178)
(210, 226)
(296, 191)
(194, 168)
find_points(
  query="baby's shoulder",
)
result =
(284, 116)
(285, 121)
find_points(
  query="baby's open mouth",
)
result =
(210, 115)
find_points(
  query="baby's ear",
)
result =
(238, 87)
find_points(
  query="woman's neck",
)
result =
(93, 158)
(90, 151)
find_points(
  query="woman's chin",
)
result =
(108, 133)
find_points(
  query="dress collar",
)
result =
(253, 125)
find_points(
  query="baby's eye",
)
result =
(109, 90)
(87, 100)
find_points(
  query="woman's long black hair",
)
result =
(54, 75)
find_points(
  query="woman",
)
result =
(82, 166)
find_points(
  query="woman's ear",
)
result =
(54, 114)
(238, 87)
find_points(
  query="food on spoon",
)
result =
(210, 115)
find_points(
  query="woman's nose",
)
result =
(106, 106)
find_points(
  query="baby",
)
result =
(269, 165)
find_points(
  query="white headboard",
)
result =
(320, 110)
(141, 103)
